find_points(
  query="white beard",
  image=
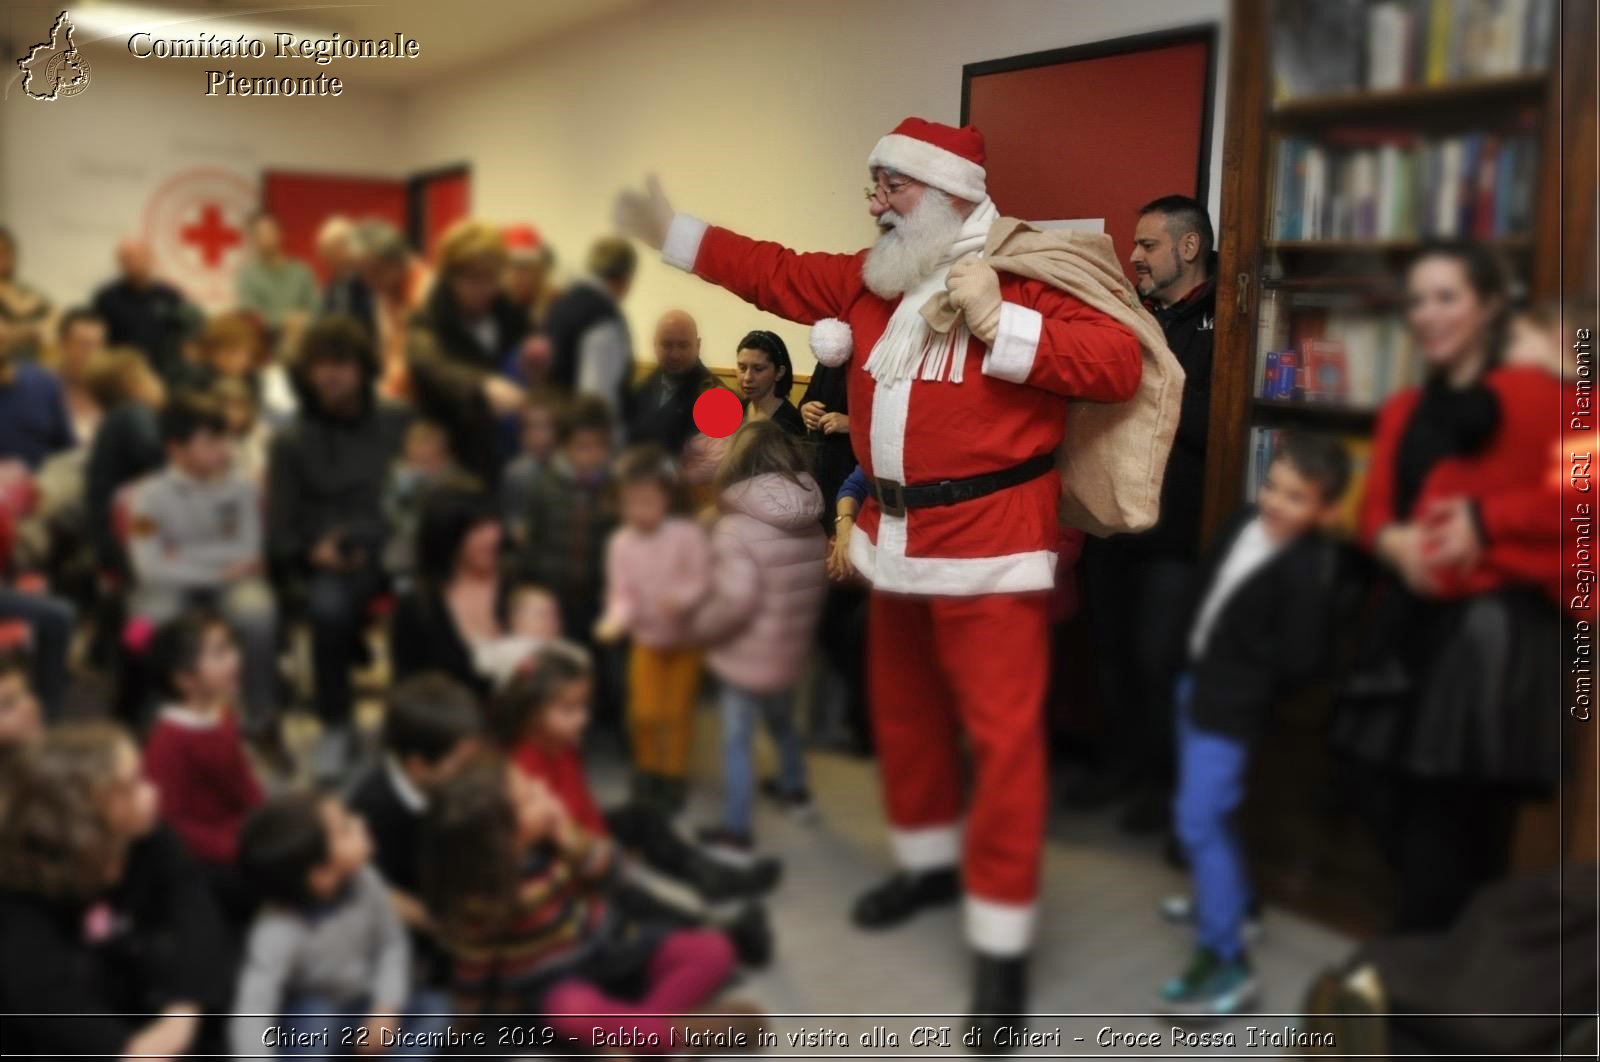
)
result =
(913, 247)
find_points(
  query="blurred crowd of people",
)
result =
(466, 462)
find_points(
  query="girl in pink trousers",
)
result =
(760, 616)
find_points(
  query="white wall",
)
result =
(77, 174)
(757, 116)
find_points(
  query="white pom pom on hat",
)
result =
(831, 341)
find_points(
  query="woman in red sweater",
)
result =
(1462, 511)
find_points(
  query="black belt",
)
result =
(895, 498)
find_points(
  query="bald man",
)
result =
(146, 313)
(663, 404)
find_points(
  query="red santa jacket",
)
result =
(1515, 482)
(1011, 406)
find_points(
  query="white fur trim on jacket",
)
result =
(919, 159)
(831, 341)
(682, 244)
(1016, 343)
(1004, 930)
(885, 563)
(1013, 573)
(927, 847)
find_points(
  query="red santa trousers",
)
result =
(949, 676)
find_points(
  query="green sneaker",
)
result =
(1210, 987)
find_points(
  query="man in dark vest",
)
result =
(663, 404)
(590, 352)
(1131, 580)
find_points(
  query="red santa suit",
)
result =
(957, 644)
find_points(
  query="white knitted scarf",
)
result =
(908, 348)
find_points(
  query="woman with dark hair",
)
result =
(766, 376)
(457, 342)
(456, 609)
(1454, 702)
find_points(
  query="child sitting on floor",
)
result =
(430, 728)
(326, 941)
(194, 753)
(538, 717)
(519, 889)
(111, 941)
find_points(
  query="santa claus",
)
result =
(956, 432)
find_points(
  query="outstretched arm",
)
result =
(800, 287)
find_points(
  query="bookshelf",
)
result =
(1333, 289)
(1358, 129)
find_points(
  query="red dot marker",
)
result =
(718, 412)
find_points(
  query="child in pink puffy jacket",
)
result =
(759, 619)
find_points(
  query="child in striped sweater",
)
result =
(518, 888)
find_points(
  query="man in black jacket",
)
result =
(326, 473)
(1132, 579)
(663, 403)
(148, 314)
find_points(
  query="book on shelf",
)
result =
(1340, 356)
(1371, 185)
(1331, 47)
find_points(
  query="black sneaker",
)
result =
(902, 895)
(737, 851)
(721, 875)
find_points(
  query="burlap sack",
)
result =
(1115, 453)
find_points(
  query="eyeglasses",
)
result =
(886, 189)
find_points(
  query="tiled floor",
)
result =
(1102, 949)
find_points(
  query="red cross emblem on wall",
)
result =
(195, 222)
(212, 236)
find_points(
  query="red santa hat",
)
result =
(942, 156)
(523, 242)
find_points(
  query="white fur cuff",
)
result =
(682, 244)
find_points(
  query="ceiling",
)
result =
(452, 34)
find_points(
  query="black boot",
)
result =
(751, 935)
(896, 899)
(999, 998)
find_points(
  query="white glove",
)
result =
(974, 289)
(644, 216)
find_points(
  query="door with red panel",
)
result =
(423, 206)
(438, 200)
(1097, 130)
